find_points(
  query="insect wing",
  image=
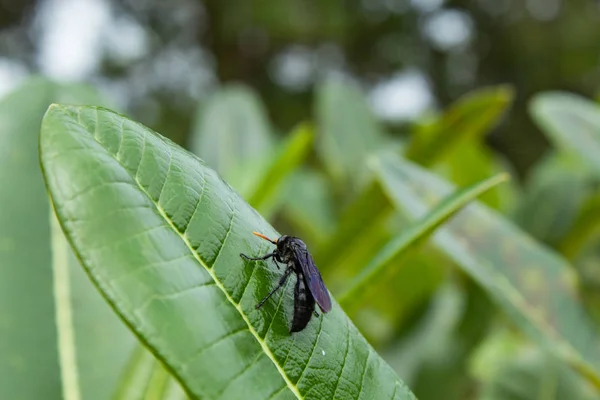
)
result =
(313, 278)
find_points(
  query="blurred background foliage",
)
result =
(410, 56)
(342, 122)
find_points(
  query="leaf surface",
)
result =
(160, 235)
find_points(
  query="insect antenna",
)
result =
(260, 235)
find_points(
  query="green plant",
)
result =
(440, 290)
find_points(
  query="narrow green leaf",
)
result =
(571, 122)
(469, 118)
(232, 133)
(533, 285)
(292, 153)
(415, 234)
(42, 286)
(348, 130)
(161, 234)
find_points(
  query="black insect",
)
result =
(309, 284)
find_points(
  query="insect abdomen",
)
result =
(304, 305)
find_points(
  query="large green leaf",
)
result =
(571, 122)
(34, 260)
(160, 235)
(533, 285)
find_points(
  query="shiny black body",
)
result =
(304, 305)
(309, 288)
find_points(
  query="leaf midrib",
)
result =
(293, 388)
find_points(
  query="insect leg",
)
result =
(265, 257)
(316, 313)
(282, 281)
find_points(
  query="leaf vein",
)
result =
(146, 267)
(199, 352)
(229, 228)
(362, 378)
(164, 183)
(276, 393)
(200, 196)
(169, 296)
(395, 389)
(276, 310)
(313, 350)
(343, 362)
(137, 169)
(128, 238)
(239, 374)
(121, 140)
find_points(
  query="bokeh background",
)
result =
(288, 100)
(157, 60)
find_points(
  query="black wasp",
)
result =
(293, 252)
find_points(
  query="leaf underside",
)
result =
(160, 234)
